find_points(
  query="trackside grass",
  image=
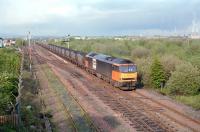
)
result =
(193, 101)
(77, 114)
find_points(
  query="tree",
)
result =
(169, 63)
(157, 74)
(140, 52)
(143, 68)
(20, 42)
(184, 80)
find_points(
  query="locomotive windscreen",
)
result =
(129, 68)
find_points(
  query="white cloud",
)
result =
(36, 11)
(99, 16)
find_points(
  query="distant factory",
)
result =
(195, 31)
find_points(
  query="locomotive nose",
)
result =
(129, 76)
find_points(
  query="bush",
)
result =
(7, 128)
(9, 71)
(193, 47)
(157, 75)
(9, 61)
(8, 91)
(20, 42)
(140, 52)
(184, 81)
(169, 63)
(143, 67)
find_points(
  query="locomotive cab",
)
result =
(124, 75)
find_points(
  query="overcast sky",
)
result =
(97, 17)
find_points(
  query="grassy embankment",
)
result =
(173, 54)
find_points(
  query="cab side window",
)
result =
(115, 68)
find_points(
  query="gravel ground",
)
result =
(187, 110)
(52, 103)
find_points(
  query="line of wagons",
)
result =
(121, 73)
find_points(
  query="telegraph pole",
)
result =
(29, 45)
(68, 36)
(29, 39)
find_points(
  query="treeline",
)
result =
(9, 72)
(171, 66)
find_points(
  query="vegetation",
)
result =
(7, 128)
(31, 105)
(157, 74)
(177, 63)
(20, 42)
(189, 100)
(9, 72)
(184, 80)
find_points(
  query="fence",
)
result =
(9, 119)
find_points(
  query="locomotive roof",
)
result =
(108, 59)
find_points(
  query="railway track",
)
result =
(139, 115)
(136, 119)
(131, 112)
(156, 113)
(77, 115)
(169, 108)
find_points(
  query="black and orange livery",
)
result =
(119, 72)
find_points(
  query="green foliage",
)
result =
(190, 100)
(7, 128)
(28, 116)
(157, 74)
(143, 67)
(5, 102)
(184, 80)
(20, 42)
(169, 63)
(8, 91)
(140, 52)
(9, 61)
(9, 71)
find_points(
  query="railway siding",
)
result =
(78, 116)
(51, 102)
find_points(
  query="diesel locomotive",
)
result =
(121, 73)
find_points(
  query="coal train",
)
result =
(121, 73)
